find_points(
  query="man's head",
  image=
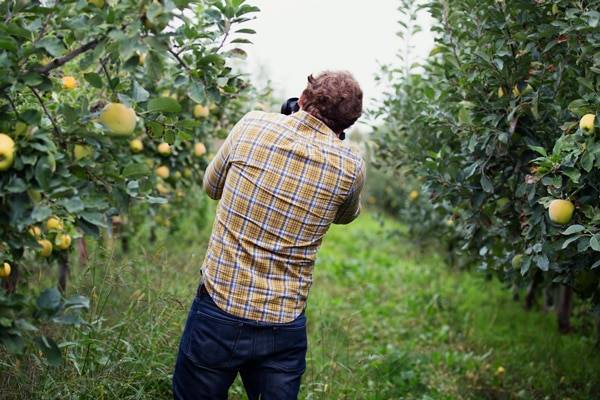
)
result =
(334, 97)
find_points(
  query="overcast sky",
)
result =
(296, 38)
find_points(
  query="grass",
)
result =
(386, 321)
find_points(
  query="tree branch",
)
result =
(12, 104)
(176, 55)
(57, 62)
(39, 98)
(227, 31)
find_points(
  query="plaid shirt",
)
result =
(281, 180)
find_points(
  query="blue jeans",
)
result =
(216, 346)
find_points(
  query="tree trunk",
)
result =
(10, 284)
(82, 250)
(531, 291)
(563, 308)
(550, 293)
(63, 272)
(598, 333)
(125, 244)
(515, 292)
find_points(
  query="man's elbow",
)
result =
(211, 191)
(346, 219)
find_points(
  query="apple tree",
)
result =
(104, 105)
(500, 127)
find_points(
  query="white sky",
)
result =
(298, 37)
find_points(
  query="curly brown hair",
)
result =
(334, 97)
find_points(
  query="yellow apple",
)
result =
(162, 171)
(5, 270)
(118, 119)
(201, 111)
(46, 248)
(162, 188)
(199, 149)
(136, 146)
(35, 231)
(413, 195)
(82, 151)
(164, 149)
(500, 372)
(69, 82)
(586, 123)
(62, 241)
(561, 211)
(521, 88)
(7, 152)
(517, 261)
(54, 224)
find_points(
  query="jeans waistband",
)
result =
(204, 300)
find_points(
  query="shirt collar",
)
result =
(310, 123)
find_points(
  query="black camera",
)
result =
(291, 106)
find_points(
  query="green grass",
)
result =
(386, 321)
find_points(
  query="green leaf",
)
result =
(31, 116)
(94, 79)
(13, 343)
(197, 92)
(568, 241)
(73, 205)
(241, 40)
(573, 229)
(8, 43)
(578, 107)
(486, 184)
(41, 213)
(156, 200)
(50, 350)
(94, 218)
(49, 299)
(136, 170)
(139, 94)
(573, 174)
(595, 242)
(542, 262)
(77, 302)
(52, 45)
(164, 105)
(246, 9)
(539, 150)
(25, 325)
(156, 129)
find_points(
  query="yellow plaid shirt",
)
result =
(281, 180)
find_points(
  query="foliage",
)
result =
(490, 126)
(61, 63)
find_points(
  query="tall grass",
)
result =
(386, 321)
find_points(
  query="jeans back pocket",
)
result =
(211, 341)
(290, 349)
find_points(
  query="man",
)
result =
(281, 180)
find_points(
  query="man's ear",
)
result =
(301, 101)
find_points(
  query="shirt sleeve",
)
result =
(216, 172)
(350, 209)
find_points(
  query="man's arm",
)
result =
(350, 209)
(216, 172)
